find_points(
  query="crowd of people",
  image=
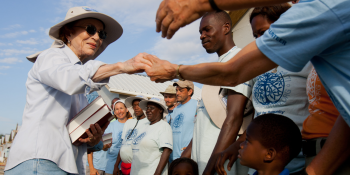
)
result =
(278, 106)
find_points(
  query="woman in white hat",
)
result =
(152, 148)
(56, 85)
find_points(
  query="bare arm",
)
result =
(236, 104)
(163, 160)
(134, 65)
(93, 171)
(173, 14)
(334, 152)
(116, 170)
(187, 151)
(247, 64)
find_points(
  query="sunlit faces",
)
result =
(252, 152)
(259, 25)
(170, 100)
(137, 110)
(183, 169)
(120, 111)
(154, 112)
(182, 94)
(82, 43)
(210, 30)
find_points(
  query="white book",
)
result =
(107, 138)
(96, 112)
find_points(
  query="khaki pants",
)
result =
(99, 171)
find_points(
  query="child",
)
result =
(183, 166)
(272, 141)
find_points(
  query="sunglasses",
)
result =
(91, 30)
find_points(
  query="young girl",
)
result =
(183, 166)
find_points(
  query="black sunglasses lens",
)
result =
(91, 29)
(102, 34)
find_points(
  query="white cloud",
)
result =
(14, 34)
(9, 52)
(32, 31)
(185, 47)
(31, 41)
(10, 60)
(4, 67)
(12, 27)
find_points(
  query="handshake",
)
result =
(158, 70)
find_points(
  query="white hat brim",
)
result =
(143, 105)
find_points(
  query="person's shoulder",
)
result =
(130, 122)
(193, 102)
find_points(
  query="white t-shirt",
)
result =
(205, 132)
(148, 146)
(129, 125)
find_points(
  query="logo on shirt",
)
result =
(120, 140)
(132, 136)
(270, 88)
(138, 139)
(178, 120)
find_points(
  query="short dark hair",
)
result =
(281, 133)
(272, 13)
(183, 160)
(220, 16)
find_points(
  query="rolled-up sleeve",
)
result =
(55, 69)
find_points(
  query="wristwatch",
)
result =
(178, 76)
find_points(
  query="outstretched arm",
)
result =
(173, 14)
(247, 64)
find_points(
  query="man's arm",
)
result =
(245, 65)
(236, 103)
(334, 152)
(173, 14)
(187, 151)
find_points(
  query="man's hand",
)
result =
(161, 70)
(93, 171)
(230, 153)
(106, 146)
(173, 14)
(95, 135)
(136, 65)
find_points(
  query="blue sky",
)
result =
(24, 31)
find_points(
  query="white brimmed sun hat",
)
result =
(213, 100)
(159, 101)
(113, 29)
(129, 100)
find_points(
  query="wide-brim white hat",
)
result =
(160, 102)
(113, 29)
(212, 97)
(129, 100)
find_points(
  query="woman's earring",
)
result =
(68, 42)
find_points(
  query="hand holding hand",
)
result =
(93, 171)
(117, 171)
(161, 70)
(173, 14)
(136, 65)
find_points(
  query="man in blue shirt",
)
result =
(182, 119)
(170, 100)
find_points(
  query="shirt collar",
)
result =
(71, 55)
(228, 52)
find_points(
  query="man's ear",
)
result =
(190, 91)
(270, 155)
(226, 28)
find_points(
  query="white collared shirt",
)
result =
(55, 94)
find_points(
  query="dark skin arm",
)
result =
(245, 65)
(236, 104)
(187, 151)
(116, 170)
(230, 153)
(334, 152)
(163, 161)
